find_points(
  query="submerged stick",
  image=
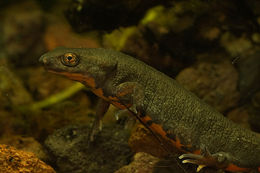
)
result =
(66, 93)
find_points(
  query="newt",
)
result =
(175, 115)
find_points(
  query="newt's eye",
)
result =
(70, 59)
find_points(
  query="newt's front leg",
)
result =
(101, 109)
(128, 94)
(131, 95)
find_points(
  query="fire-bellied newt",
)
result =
(176, 116)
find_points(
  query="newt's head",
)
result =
(87, 65)
(63, 60)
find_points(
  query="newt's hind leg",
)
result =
(219, 160)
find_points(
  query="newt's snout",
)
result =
(43, 60)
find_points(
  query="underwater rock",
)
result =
(27, 144)
(141, 140)
(17, 161)
(143, 163)
(107, 153)
(215, 83)
(240, 116)
(248, 115)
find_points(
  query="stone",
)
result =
(215, 83)
(71, 152)
(17, 161)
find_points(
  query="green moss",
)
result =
(166, 19)
(118, 38)
(152, 14)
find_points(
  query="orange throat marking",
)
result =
(87, 80)
(90, 82)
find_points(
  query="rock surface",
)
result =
(27, 144)
(240, 116)
(142, 140)
(107, 153)
(142, 163)
(17, 161)
(215, 83)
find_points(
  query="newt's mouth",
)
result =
(52, 71)
(87, 80)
